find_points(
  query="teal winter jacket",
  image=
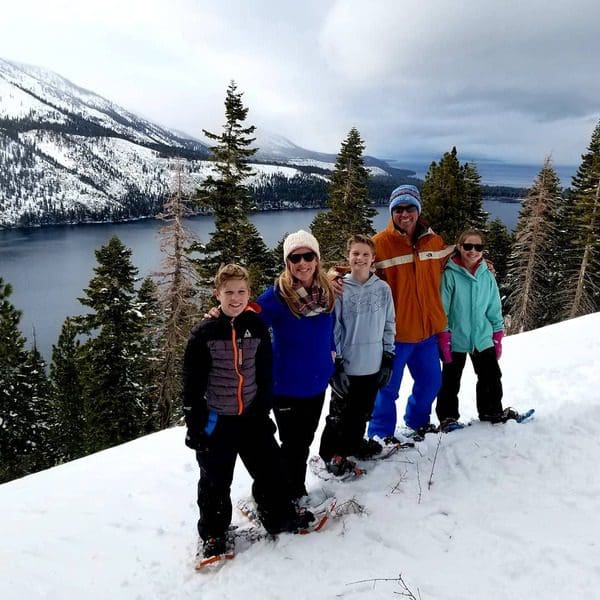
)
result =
(472, 304)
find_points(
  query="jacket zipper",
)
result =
(237, 363)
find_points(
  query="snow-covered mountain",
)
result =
(491, 512)
(275, 147)
(70, 155)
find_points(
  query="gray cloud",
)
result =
(497, 78)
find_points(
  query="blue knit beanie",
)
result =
(405, 194)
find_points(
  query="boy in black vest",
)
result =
(226, 398)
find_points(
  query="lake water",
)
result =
(499, 173)
(49, 267)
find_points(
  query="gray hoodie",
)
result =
(365, 324)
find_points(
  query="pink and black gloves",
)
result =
(497, 337)
(444, 339)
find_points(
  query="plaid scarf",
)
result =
(311, 302)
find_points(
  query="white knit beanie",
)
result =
(300, 239)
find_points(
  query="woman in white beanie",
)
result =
(299, 310)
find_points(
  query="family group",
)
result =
(407, 300)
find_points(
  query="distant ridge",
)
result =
(69, 155)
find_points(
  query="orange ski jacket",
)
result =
(414, 273)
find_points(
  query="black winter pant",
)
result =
(348, 415)
(297, 420)
(252, 437)
(488, 389)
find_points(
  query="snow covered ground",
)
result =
(506, 512)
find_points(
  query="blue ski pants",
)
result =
(423, 362)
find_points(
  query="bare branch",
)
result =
(437, 448)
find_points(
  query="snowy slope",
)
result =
(272, 146)
(39, 93)
(69, 155)
(511, 512)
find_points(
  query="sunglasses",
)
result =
(400, 209)
(307, 256)
(477, 247)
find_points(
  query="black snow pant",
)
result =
(252, 438)
(488, 389)
(348, 416)
(297, 420)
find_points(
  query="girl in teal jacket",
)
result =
(475, 327)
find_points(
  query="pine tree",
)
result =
(177, 288)
(148, 362)
(473, 197)
(38, 398)
(68, 421)
(451, 196)
(530, 260)
(582, 283)
(498, 248)
(350, 211)
(113, 403)
(235, 239)
(23, 398)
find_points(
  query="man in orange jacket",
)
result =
(410, 257)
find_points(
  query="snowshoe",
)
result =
(389, 445)
(340, 465)
(448, 425)
(418, 435)
(508, 414)
(318, 467)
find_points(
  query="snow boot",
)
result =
(506, 415)
(448, 425)
(339, 465)
(386, 442)
(214, 546)
(368, 449)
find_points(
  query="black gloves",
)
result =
(385, 371)
(339, 381)
(197, 441)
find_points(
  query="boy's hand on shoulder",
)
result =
(213, 313)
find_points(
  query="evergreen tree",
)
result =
(498, 248)
(350, 211)
(582, 283)
(531, 257)
(235, 239)
(473, 197)
(148, 363)
(452, 198)
(68, 422)
(113, 400)
(38, 398)
(23, 398)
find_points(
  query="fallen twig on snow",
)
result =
(406, 591)
(434, 459)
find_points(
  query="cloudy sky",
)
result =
(511, 80)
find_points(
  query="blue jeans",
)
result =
(423, 362)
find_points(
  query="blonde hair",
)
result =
(231, 271)
(360, 238)
(285, 284)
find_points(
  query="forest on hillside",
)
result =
(115, 370)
